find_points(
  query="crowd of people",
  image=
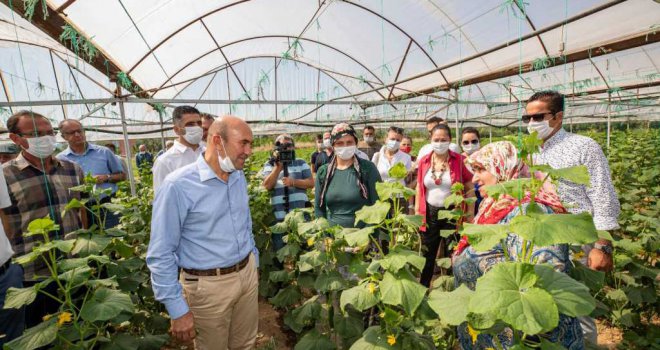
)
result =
(202, 253)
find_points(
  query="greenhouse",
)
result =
(364, 86)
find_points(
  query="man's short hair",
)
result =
(471, 130)
(319, 137)
(396, 129)
(284, 137)
(179, 111)
(208, 116)
(112, 147)
(61, 124)
(12, 122)
(554, 99)
(369, 127)
(434, 120)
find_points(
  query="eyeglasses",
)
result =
(28, 135)
(538, 117)
(467, 142)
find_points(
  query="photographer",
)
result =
(287, 178)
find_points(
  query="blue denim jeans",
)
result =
(12, 321)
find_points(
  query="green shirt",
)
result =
(342, 198)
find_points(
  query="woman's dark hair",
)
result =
(554, 99)
(441, 127)
(471, 130)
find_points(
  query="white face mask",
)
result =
(542, 128)
(345, 153)
(440, 147)
(326, 143)
(471, 148)
(225, 163)
(193, 134)
(393, 145)
(368, 139)
(41, 147)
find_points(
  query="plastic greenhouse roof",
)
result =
(469, 61)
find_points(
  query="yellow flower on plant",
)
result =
(372, 288)
(328, 241)
(391, 339)
(578, 255)
(47, 317)
(473, 333)
(63, 318)
(310, 241)
(381, 315)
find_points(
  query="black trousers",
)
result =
(433, 241)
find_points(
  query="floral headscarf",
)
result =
(340, 130)
(501, 160)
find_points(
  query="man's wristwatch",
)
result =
(605, 248)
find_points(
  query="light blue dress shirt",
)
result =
(199, 222)
(97, 160)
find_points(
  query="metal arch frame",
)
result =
(200, 18)
(241, 60)
(379, 81)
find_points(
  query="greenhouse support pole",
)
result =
(490, 126)
(609, 110)
(162, 132)
(127, 146)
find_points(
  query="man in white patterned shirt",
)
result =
(561, 149)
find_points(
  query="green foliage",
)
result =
(81, 45)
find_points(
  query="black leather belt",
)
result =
(5, 267)
(221, 270)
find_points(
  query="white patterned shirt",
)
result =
(564, 150)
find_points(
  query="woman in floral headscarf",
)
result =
(347, 182)
(498, 162)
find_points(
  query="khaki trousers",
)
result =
(225, 308)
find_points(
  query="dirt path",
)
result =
(271, 336)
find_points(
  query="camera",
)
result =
(283, 153)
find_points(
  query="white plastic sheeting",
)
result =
(357, 51)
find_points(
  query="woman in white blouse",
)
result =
(390, 154)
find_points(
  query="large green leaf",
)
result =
(280, 276)
(398, 171)
(389, 190)
(362, 297)
(316, 341)
(451, 306)
(413, 221)
(549, 229)
(77, 275)
(485, 237)
(348, 326)
(329, 281)
(310, 260)
(106, 304)
(572, 297)
(591, 278)
(35, 337)
(40, 226)
(64, 246)
(358, 238)
(314, 226)
(515, 188)
(286, 297)
(68, 264)
(17, 297)
(508, 292)
(87, 246)
(402, 289)
(577, 174)
(304, 315)
(398, 257)
(373, 214)
(289, 250)
(374, 339)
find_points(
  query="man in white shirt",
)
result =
(12, 321)
(562, 149)
(427, 148)
(207, 120)
(186, 149)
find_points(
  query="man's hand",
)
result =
(288, 182)
(600, 261)
(183, 328)
(101, 178)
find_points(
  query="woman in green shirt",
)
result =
(347, 182)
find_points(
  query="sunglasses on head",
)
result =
(538, 117)
(467, 142)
